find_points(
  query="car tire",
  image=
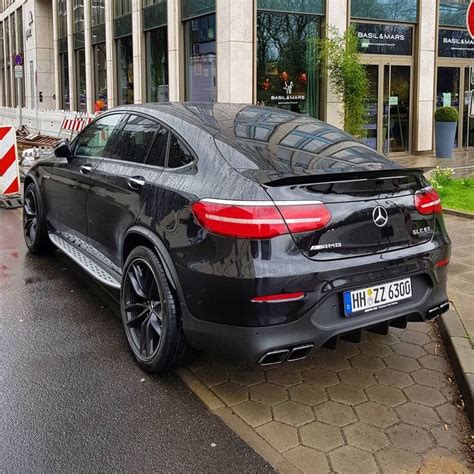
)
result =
(150, 313)
(35, 230)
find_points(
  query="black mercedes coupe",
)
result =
(241, 230)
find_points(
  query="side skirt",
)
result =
(96, 269)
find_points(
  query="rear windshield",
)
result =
(302, 147)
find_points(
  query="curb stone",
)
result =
(461, 354)
(454, 212)
(218, 408)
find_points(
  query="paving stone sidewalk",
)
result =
(461, 270)
(386, 404)
(457, 326)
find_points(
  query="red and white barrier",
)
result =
(75, 124)
(9, 171)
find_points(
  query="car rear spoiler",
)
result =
(338, 177)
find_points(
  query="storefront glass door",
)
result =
(369, 137)
(467, 121)
(396, 106)
(388, 125)
(448, 87)
(453, 89)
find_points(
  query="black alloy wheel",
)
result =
(149, 313)
(30, 217)
(34, 222)
(144, 308)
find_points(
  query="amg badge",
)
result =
(335, 245)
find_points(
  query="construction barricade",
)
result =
(9, 170)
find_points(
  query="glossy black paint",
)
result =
(254, 154)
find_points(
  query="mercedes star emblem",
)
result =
(380, 216)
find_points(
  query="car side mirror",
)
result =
(63, 149)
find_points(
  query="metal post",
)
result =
(37, 101)
(20, 105)
(469, 101)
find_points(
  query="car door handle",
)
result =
(136, 183)
(85, 169)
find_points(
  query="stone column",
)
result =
(110, 54)
(235, 50)
(90, 94)
(175, 53)
(139, 95)
(57, 74)
(71, 57)
(337, 16)
(6, 79)
(425, 74)
(12, 64)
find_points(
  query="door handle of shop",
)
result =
(136, 183)
(85, 169)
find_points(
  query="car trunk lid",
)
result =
(371, 212)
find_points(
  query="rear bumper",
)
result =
(318, 326)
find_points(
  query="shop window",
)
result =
(157, 64)
(64, 81)
(288, 76)
(125, 70)
(393, 10)
(453, 12)
(62, 18)
(194, 8)
(100, 77)
(393, 40)
(81, 80)
(98, 12)
(200, 51)
(154, 14)
(316, 7)
(122, 7)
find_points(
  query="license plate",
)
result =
(377, 297)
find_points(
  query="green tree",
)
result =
(340, 58)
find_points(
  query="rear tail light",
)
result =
(427, 201)
(442, 263)
(260, 220)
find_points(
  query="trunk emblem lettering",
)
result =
(380, 216)
(424, 230)
(335, 245)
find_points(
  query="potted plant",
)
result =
(446, 119)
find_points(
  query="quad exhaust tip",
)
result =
(437, 311)
(289, 354)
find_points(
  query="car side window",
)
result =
(93, 140)
(157, 155)
(134, 139)
(178, 154)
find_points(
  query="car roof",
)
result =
(253, 137)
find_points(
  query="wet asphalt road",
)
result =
(71, 397)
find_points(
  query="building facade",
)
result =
(90, 55)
